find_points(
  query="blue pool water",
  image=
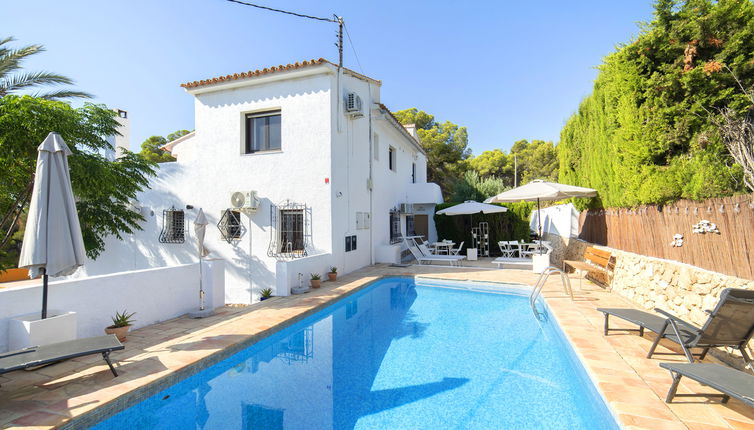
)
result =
(399, 354)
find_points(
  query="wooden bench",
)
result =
(598, 265)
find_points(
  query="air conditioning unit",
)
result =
(353, 105)
(245, 201)
(407, 208)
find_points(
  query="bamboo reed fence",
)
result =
(649, 230)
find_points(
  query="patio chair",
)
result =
(46, 354)
(508, 248)
(422, 258)
(730, 324)
(455, 251)
(730, 382)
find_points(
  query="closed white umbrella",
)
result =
(471, 207)
(52, 244)
(537, 190)
(200, 227)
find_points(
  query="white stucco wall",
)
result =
(287, 272)
(154, 294)
(353, 157)
(212, 167)
(324, 163)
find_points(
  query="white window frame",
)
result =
(247, 132)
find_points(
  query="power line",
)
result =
(350, 42)
(337, 20)
(284, 11)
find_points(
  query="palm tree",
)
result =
(11, 80)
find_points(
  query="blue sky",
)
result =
(506, 70)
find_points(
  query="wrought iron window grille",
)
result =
(173, 226)
(290, 232)
(230, 226)
(395, 226)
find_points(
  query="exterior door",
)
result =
(421, 226)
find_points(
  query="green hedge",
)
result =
(647, 133)
(510, 225)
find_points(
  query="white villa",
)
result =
(324, 175)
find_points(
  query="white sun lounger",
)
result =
(512, 261)
(428, 259)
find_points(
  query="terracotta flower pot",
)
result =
(315, 283)
(332, 276)
(119, 332)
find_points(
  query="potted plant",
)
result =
(121, 324)
(265, 294)
(315, 280)
(333, 273)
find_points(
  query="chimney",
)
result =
(119, 143)
(411, 129)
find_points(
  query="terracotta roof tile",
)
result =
(269, 70)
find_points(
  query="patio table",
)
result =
(527, 249)
(443, 247)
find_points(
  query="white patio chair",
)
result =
(455, 251)
(508, 248)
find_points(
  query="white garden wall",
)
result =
(154, 294)
(288, 271)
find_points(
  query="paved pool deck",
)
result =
(77, 392)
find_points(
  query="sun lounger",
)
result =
(428, 259)
(644, 320)
(731, 324)
(40, 355)
(731, 382)
(513, 261)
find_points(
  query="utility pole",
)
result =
(340, 40)
(515, 171)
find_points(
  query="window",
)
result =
(230, 225)
(391, 158)
(262, 132)
(291, 231)
(413, 173)
(395, 227)
(351, 243)
(173, 226)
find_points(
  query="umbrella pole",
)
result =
(539, 226)
(44, 293)
(201, 286)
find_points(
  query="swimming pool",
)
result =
(399, 354)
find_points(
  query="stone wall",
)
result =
(565, 249)
(681, 289)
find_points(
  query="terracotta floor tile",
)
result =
(651, 423)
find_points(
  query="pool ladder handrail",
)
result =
(542, 280)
